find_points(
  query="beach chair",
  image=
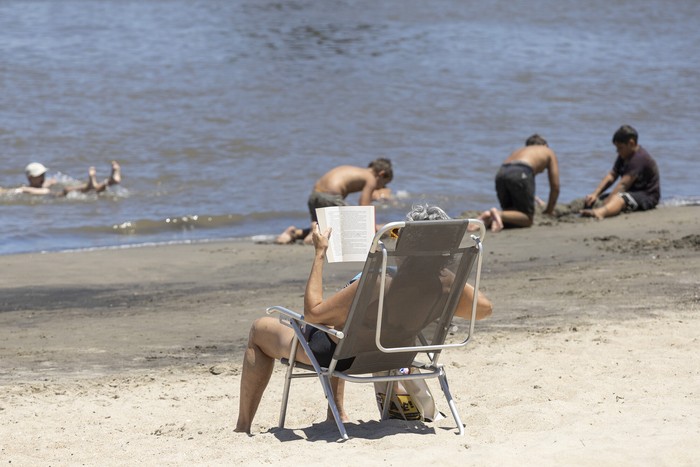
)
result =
(401, 314)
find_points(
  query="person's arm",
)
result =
(381, 194)
(368, 190)
(32, 190)
(602, 186)
(484, 307)
(332, 311)
(553, 173)
(623, 185)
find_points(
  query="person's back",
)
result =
(346, 179)
(538, 157)
(515, 185)
(343, 180)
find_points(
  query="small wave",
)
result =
(682, 201)
(175, 223)
(11, 197)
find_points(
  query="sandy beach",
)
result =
(132, 356)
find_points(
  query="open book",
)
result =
(352, 234)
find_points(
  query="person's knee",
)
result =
(258, 328)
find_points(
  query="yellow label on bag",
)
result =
(401, 407)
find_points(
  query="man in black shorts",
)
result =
(515, 185)
(638, 188)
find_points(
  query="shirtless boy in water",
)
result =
(333, 187)
(515, 185)
(39, 185)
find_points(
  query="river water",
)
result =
(223, 113)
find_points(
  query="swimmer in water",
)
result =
(38, 184)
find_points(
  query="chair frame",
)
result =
(430, 369)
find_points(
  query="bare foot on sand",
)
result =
(290, 235)
(492, 219)
(484, 217)
(496, 221)
(116, 177)
(343, 416)
(591, 213)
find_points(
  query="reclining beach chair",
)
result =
(401, 314)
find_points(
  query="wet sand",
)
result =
(117, 357)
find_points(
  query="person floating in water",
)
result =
(38, 184)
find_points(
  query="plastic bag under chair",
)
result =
(411, 400)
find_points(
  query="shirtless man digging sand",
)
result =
(334, 186)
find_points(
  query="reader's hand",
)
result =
(320, 239)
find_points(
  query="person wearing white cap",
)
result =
(39, 185)
(36, 177)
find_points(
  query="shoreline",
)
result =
(591, 348)
(563, 209)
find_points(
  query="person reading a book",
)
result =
(269, 339)
(335, 185)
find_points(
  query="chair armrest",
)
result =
(293, 315)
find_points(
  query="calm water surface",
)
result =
(223, 113)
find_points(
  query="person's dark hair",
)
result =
(382, 164)
(536, 140)
(425, 212)
(624, 134)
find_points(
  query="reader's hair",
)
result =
(425, 212)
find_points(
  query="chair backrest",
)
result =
(425, 276)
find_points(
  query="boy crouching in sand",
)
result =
(333, 187)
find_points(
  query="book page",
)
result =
(352, 234)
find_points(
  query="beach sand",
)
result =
(133, 356)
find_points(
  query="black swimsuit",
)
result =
(323, 348)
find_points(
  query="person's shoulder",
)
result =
(642, 150)
(344, 169)
(642, 155)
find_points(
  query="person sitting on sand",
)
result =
(638, 189)
(38, 184)
(270, 340)
(515, 185)
(334, 186)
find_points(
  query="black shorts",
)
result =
(638, 201)
(515, 187)
(323, 349)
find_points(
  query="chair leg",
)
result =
(287, 382)
(388, 395)
(326, 384)
(453, 408)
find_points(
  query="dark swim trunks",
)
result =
(323, 200)
(323, 348)
(638, 201)
(515, 187)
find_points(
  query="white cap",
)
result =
(35, 169)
